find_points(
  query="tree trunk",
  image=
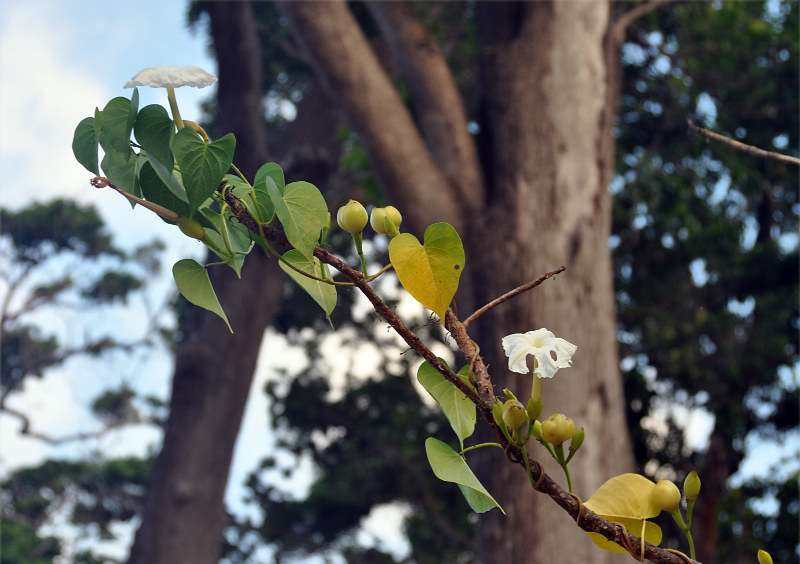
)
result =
(538, 200)
(545, 145)
(184, 510)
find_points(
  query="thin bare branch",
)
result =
(515, 292)
(56, 441)
(745, 148)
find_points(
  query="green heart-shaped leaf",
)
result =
(202, 164)
(194, 285)
(458, 409)
(449, 466)
(626, 499)
(322, 293)
(121, 170)
(430, 273)
(273, 171)
(84, 145)
(117, 122)
(154, 190)
(302, 211)
(154, 130)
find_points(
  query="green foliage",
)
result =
(21, 544)
(202, 164)
(322, 293)
(458, 409)
(449, 466)
(42, 230)
(194, 285)
(96, 493)
(301, 210)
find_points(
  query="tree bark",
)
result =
(539, 200)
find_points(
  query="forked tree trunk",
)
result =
(538, 200)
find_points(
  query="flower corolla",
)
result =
(172, 77)
(550, 352)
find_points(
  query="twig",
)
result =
(56, 441)
(739, 146)
(507, 296)
(626, 19)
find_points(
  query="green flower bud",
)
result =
(497, 413)
(514, 415)
(764, 557)
(352, 217)
(535, 408)
(191, 228)
(379, 217)
(537, 430)
(557, 428)
(577, 440)
(666, 496)
(691, 486)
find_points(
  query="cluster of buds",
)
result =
(352, 217)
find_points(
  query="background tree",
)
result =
(706, 251)
(58, 258)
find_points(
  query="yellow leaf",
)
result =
(626, 499)
(430, 273)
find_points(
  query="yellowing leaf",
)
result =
(626, 499)
(430, 273)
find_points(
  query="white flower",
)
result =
(172, 77)
(550, 352)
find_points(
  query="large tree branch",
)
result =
(437, 103)
(343, 59)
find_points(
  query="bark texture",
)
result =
(533, 197)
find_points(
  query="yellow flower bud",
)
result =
(191, 228)
(557, 428)
(666, 496)
(352, 217)
(764, 557)
(691, 486)
(380, 215)
(514, 414)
